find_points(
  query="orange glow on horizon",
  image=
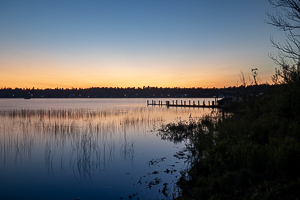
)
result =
(40, 84)
(80, 80)
(39, 73)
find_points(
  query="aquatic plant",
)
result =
(252, 154)
(82, 143)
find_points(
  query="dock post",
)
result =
(212, 103)
(167, 103)
(152, 102)
(184, 102)
(176, 102)
(173, 102)
(147, 102)
(203, 103)
(181, 102)
(189, 102)
(209, 103)
(193, 103)
(198, 103)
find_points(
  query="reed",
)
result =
(83, 140)
(127, 150)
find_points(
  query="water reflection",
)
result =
(101, 145)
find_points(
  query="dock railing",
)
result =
(209, 104)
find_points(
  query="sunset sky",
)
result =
(134, 43)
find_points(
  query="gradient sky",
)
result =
(134, 43)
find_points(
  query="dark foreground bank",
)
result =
(252, 154)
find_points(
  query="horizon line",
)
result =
(137, 88)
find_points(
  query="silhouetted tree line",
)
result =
(145, 92)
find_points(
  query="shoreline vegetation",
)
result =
(251, 153)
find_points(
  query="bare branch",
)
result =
(289, 53)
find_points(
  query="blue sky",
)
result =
(131, 43)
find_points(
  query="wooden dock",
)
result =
(181, 103)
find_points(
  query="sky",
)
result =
(134, 43)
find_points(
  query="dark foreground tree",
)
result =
(288, 57)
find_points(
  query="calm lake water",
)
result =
(89, 149)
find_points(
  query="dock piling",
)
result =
(191, 103)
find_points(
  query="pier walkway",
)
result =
(181, 103)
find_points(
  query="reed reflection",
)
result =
(83, 143)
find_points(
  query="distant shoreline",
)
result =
(147, 92)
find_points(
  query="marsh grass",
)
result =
(252, 154)
(83, 144)
(78, 139)
(127, 150)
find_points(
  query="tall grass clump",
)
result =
(252, 154)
